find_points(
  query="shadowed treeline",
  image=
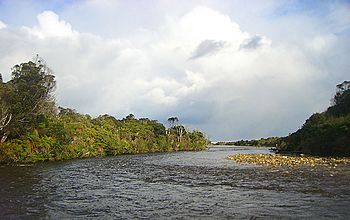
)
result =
(326, 133)
(323, 134)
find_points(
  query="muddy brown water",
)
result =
(181, 185)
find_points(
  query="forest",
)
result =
(326, 133)
(323, 134)
(262, 142)
(33, 128)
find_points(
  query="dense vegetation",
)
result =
(326, 133)
(323, 134)
(262, 142)
(33, 128)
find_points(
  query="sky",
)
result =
(232, 69)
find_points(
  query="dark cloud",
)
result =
(251, 43)
(207, 47)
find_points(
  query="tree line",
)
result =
(326, 133)
(323, 134)
(33, 128)
(262, 142)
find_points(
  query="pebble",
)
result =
(291, 161)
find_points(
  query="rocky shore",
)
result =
(288, 160)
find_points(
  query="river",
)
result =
(181, 185)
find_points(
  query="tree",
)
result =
(326, 133)
(180, 130)
(341, 100)
(130, 117)
(342, 87)
(5, 115)
(27, 95)
(5, 119)
(35, 130)
(172, 121)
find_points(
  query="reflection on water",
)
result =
(181, 185)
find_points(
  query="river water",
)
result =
(181, 185)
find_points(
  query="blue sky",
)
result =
(234, 69)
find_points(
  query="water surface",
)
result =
(172, 185)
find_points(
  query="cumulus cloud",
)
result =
(51, 25)
(235, 85)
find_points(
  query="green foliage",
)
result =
(262, 142)
(26, 97)
(341, 100)
(326, 133)
(37, 132)
(72, 135)
(323, 135)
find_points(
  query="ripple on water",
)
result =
(177, 185)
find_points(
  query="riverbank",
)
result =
(277, 160)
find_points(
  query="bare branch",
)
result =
(5, 119)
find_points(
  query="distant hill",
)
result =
(326, 133)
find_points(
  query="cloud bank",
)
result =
(200, 66)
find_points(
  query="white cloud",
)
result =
(322, 43)
(51, 26)
(2, 25)
(243, 85)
